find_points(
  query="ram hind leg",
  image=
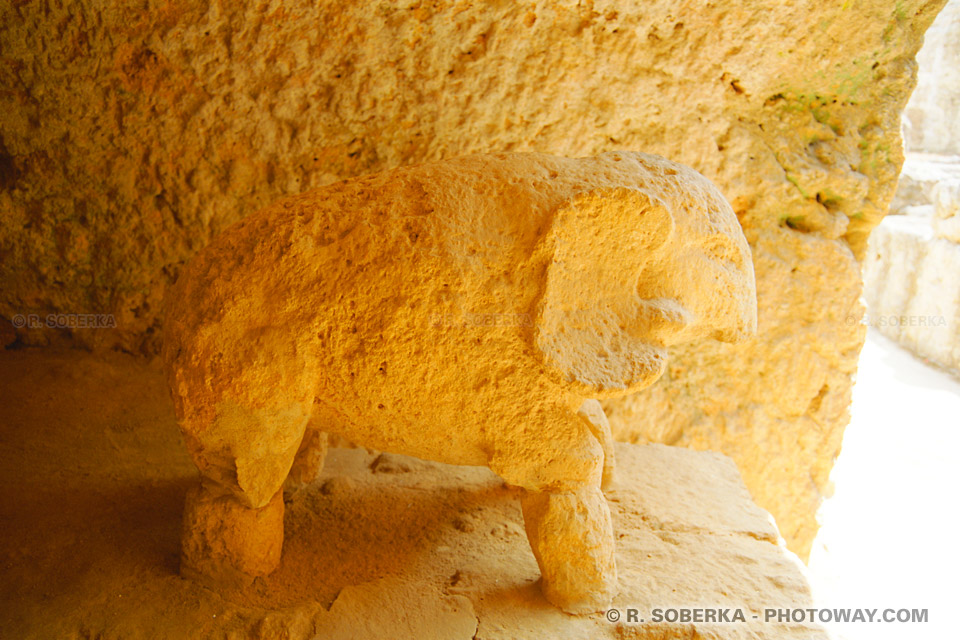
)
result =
(308, 463)
(233, 521)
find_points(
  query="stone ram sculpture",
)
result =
(469, 312)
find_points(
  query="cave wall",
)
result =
(133, 132)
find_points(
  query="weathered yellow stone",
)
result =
(227, 543)
(130, 137)
(462, 312)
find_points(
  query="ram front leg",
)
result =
(565, 513)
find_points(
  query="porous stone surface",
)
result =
(351, 310)
(912, 285)
(131, 135)
(93, 478)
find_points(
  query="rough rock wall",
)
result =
(130, 133)
(932, 116)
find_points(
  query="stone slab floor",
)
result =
(889, 533)
(92, 479)
(92, 476)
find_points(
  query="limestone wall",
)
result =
(931, 120)
(131, 133)
(912, 279)
(911, 285)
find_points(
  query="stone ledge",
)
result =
(94, 476)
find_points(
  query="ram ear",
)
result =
(597, 245)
